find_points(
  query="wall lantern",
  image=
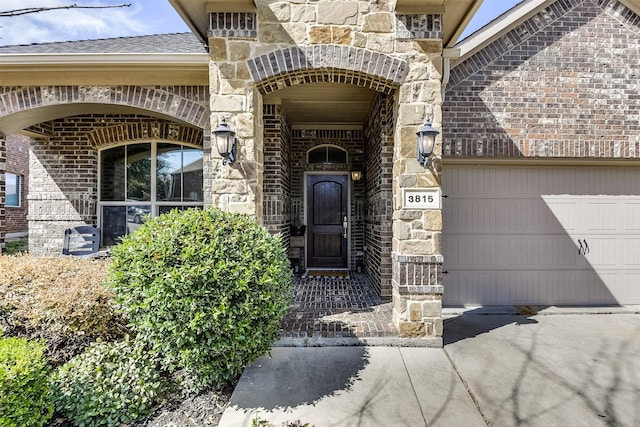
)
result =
(426, 142)
(356, 175)
(226, 142)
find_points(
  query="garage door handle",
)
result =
(584, 247)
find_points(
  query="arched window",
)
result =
(146, 180)
(327, 154)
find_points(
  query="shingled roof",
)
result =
(158, 43)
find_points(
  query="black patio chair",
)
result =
(81, 242)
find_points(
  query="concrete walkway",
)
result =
(497, 370)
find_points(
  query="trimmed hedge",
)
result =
(111, 383)
(206, 289)
(24, 383)
(60, 300)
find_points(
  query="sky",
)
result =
(142, 17)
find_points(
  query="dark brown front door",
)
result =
(327, 198)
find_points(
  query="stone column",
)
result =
(236, 187)
(417, 255)
(3, 196)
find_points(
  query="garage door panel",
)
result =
(532, 215)
(602, 216)
(515, 288)
(630, 288)
(540, 252)
(472, 251)
(631, 218)
(603, 251)
(563, 211)
(529, 238)
(479, 287)
(471, 216)
(630, 251)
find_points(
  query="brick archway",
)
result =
(327, 63)
(143, 130)
(188, 104)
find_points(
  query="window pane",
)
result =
(12, 190)
(112, 174)
(114, 224)
(136, 215)
(12, 185)
(139, 172)
(336, 155)
(192, 175)
(318, 155)
(169, 167)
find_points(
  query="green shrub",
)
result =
(61, 300)
(24, 383)
(109, 384)
(207, 288)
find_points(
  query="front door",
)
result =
(327, 220)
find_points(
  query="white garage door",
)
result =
(537, 235)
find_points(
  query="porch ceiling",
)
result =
(318, 104)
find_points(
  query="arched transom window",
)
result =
(327, 154)
(144, 180)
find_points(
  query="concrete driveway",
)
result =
(550, 370)
(496, 370)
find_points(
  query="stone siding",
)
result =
(563, 84)
(17, 147)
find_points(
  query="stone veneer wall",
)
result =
(367, 44)
(352, 141)
(563, 84)
(277, 171)
(17, 147)
(64, 169)
(379, 194)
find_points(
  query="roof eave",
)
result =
(104, 58)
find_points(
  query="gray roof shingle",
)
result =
(158, 43)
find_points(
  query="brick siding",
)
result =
(379, 194)
(64, 168)
(17, 147)
(563, 84)
(277, 171)
(2, 192)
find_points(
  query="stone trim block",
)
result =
(327, 63)
(233, 25)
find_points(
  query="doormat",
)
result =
(327, 273)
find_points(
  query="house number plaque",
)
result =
(421, 198)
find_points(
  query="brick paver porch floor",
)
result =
(337, 307)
